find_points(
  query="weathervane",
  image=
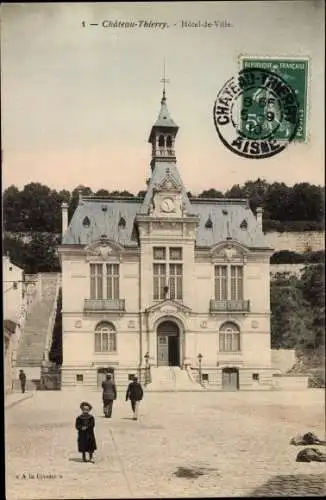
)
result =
(164, 80)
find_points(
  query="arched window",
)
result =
(105, 338)
(161, 141)
(169, 142)
(229, 338)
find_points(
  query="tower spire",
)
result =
(164, 80)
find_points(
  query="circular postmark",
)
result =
(256, 114)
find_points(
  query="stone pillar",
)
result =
(64, 215)
(259, 216)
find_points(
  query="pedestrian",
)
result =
(109, 395)
(85, 424)
(22, 378)
(135, 394)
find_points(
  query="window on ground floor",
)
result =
(229, 338)
(105, 338)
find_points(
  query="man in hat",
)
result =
(22, 378)
(85, 424)
(135, 394)
(109, 395)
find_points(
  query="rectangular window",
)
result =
(255, 376)
(236, 283)
(175, 281)
(104, 281)
(159, 253)
(175, 253)
(112, 281)
(167, 273)
(96, 281)
(221, 283)
(159, 272)
(79, 377)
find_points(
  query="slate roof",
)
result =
(164, 118)
(104, 217)
(225, 218)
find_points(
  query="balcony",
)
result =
(104, 305)
(241, 306)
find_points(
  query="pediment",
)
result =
(169, 306)
(229, 251)
(102, 249)
(168, 183)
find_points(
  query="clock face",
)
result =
(167, 205)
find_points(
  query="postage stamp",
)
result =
(295, 71)
(256, 113)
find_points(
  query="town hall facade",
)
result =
(165, 280)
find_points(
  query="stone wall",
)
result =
(283, 359)
(299, 242)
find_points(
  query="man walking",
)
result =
(109, 395)
(135, 394)
(22, 378)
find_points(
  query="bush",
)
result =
(289, 257)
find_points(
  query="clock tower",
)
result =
(162, 136)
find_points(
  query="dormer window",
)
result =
(122, 223)
(244, 225)
(209, 223)
(161, 141)
(168, 141)
(86, 222)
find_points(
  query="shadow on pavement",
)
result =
(79, 460)
(292, 485)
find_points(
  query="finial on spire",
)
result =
(164, 81)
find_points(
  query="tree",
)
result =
(291, 321)
(235, 192)
(312, 286)
(102, 192)
(211, 193)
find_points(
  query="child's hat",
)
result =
(84, 404)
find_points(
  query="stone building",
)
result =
(165, 280)
(13, 310)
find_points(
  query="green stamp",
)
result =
(295, 73)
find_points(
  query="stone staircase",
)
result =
(170, 379)
(37, 334)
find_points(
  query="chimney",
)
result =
(64, 215)
(259, 216)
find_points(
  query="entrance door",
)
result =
(101, 375)
(162, 350)
(230, 379)
(168, 344)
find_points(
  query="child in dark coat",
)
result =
(85, 424)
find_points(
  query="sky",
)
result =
(78, 102)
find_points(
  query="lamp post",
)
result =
(199, 357)
(146, 357)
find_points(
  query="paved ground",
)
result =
(235, 444)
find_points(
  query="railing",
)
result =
(229, 305)
(165, 152)
(94, 305)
